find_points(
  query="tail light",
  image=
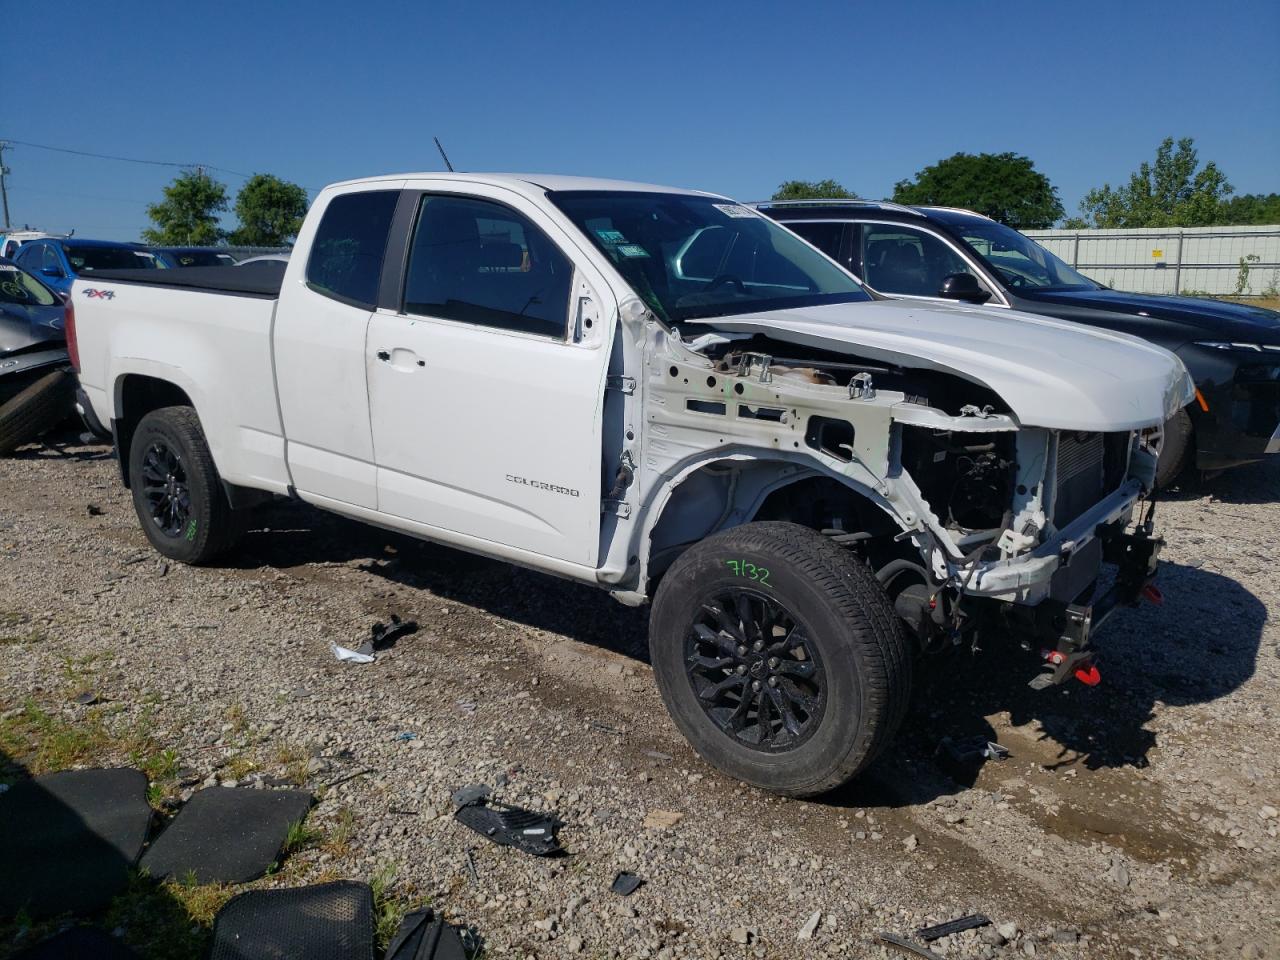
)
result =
(73, 348)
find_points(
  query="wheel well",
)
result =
(136, 396)
(730, 493)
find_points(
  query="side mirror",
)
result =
(963, 286)
(51, 272)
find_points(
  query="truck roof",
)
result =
(522, 182)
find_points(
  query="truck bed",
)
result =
(259, 281)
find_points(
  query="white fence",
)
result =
(1173, 259)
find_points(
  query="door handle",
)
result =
(384, 355)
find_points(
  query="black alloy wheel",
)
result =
(754, 671)
(165, 489)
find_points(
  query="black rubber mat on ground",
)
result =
(424, 936)
(226, 835)
(67, 840)
(80, 943)
(330, 921)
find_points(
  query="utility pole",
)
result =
(4, 190)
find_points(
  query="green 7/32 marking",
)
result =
(191, 530)
(745, 568)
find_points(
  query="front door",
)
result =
(486, 384)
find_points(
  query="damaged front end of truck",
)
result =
(979, 525)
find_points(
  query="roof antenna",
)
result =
(444, 155)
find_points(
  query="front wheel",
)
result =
(779, 657)
(176, 491)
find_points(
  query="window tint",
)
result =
(906, 261)
(346, 254)
(825, 236)
(29, 256)
(50, 258)
(480, 262)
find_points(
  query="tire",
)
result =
(1175, 450)
(35, 410)
(845, 706)
(177, 495)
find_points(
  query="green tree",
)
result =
(1251, 209)
(188, 215)
(1003, 186)
(813, 190)
(1175, 191)
(270, 211)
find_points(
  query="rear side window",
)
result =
(483, 263)
(346, 254)
(825, 235)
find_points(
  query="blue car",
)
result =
(57, 262)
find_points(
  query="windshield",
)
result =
(201, 258)
(88, 258)
(1019, 261)
(21, 288)
(688, 256)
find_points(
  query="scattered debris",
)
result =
(94, 510)
(658, 755)
(383, 636)
(466, 706)
(662, 819)
(425, 936)
(406, 735)
(893, 940)
(969, 922)
(471, 868)
(87, 699)
(962, 759)
(506, 825)
(625, 884)
(363, 655)
(810, 926)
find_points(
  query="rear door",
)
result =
(486, 367)
(319, 342)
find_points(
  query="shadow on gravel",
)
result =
(286, 535)
(65, 444)
(1252, 483)
(1200, 645)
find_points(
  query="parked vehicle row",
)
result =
(36, 382)
(672, 397)
(935, 254)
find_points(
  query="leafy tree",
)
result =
(1175, 191)
(1003, 186)
(188, 215)
(270, 211)
(1252, 209)
(811, 190)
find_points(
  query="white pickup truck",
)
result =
(668, 395)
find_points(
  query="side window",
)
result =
(28, 257)
(905, 261)
(346, 254)
(827, 237)
(50, 258)
(483, 263)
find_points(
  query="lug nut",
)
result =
(742, 651)
(742, 668)
(773, 663)
(773, 681)
(755, 685)
(758, 646)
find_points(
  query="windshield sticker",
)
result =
(632, 250)
(611, 236)
(735, 210)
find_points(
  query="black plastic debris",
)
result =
(94, 509)
(226, 835)
(80, 943)
(424, 936)
(505, 825)
(906, 946)
(69, 839)
(383, 636)
(958, 925)
(625, 884)
(962, 759)
(329, 921)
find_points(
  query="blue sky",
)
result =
(732, 96)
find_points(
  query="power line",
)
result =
(108, 156)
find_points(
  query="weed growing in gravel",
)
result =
(167, 921)
(240, 765)
(338, 843)
(238, 718)
(388, 909)
(294, 760)
(42, 742)
(300, 836)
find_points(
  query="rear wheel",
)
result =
(176, 491)
(35, 410)
(779, 657)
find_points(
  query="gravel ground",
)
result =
(1137, 818)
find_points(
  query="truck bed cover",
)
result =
(260, 281)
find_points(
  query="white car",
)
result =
(667, 395)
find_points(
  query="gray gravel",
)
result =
(1137, 819)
